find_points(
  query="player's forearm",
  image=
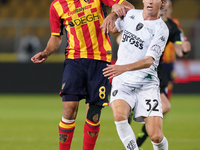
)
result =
(178, 50)
(141, 64)
(53, 44)
(182, 49)
(118, 39)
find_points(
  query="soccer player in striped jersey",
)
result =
(135, 84)
(88, 51)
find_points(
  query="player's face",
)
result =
(152, 7)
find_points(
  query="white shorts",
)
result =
(145, 101)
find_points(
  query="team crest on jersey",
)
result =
(156, 48)
(87, 1)
(114, 93)
(92, 134)
(139, 26)
(63, 138)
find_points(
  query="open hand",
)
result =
(39, 57)
(113, 70)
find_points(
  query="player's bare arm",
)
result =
(118, 39)
(114, 70)
(52, 45)
(186, 46)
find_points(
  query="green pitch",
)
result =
(30, 122)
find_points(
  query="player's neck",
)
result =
(149, 16)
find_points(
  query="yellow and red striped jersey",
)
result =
(82, 20)
(169, 55)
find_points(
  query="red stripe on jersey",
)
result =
(93, 10)
(69, 18)
(77, 3)
(54, 23)
(88, 41)
(65, 7)
(76, 43)
(91, 1)
(97, 31)
(100, 41)
(81, 14)
(73, 31)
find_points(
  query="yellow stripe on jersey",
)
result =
(105, 104)
(83, 50)
(91, 27)
(106, 44)
(58, 7)
(57, 34)
(120, 1)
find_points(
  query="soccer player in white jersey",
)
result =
(135, 83)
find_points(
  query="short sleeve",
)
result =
(119, 23)
(176, 34)
(158, 43)
(55, 21)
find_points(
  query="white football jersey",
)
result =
(140, 38)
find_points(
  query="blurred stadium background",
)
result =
(28, 120)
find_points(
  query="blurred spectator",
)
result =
(3, 1)
(28, 46)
